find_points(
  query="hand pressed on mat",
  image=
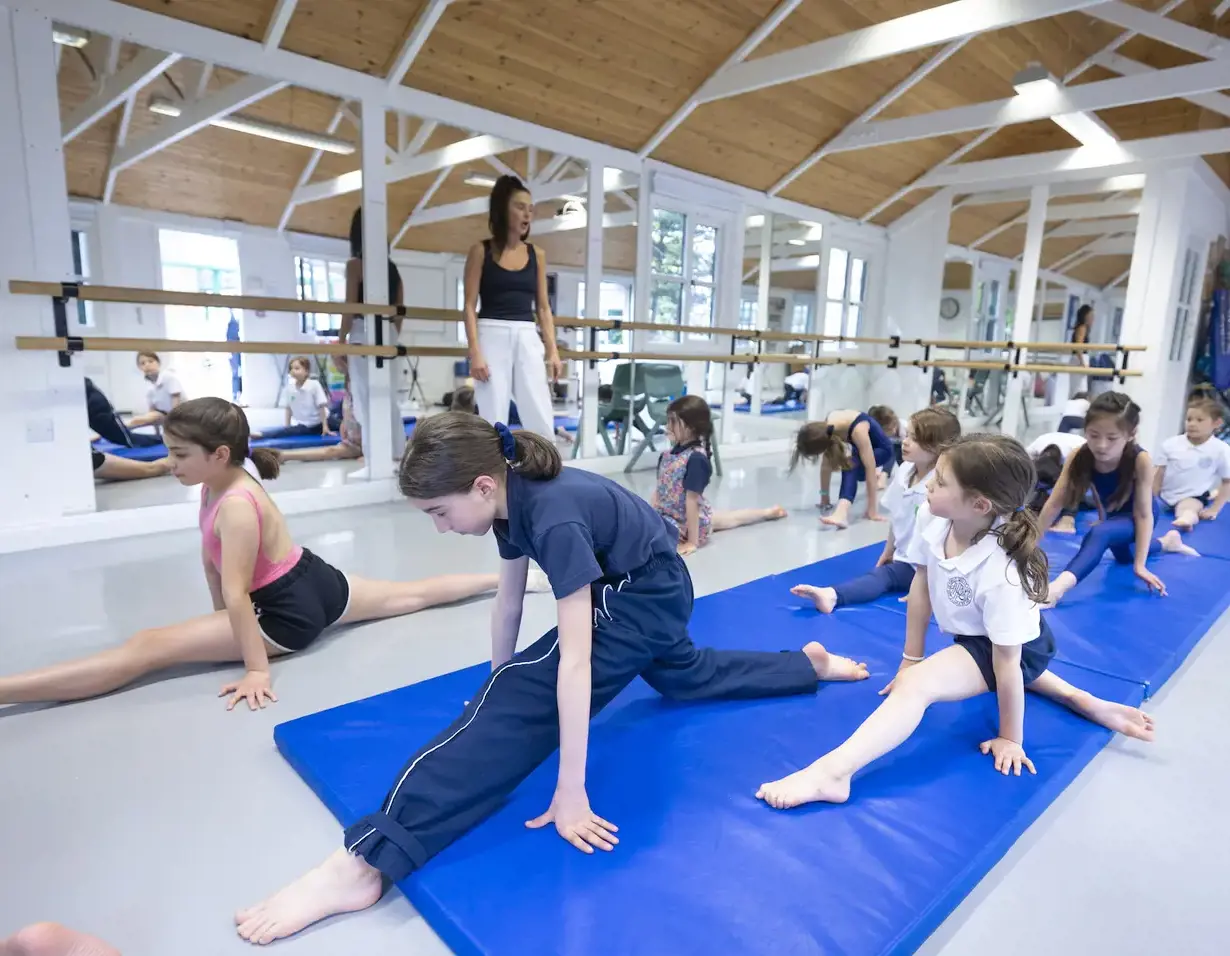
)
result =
(256, 687)
(577, 823)
(1008, 754)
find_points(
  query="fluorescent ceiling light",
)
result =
(479, 180)
(755, 222)
(1036, 83)
(255, 127)
(69, 36)
(797, 242)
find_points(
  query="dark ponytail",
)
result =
(536, 457)
(819, 439)
(693, 411)
(1000, 470)
(214, 423)
(1125, 414)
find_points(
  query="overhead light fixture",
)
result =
(796, 242)
(479, 180)
(69, 36)
(1036, 83)
(755, 222)
(256, 127)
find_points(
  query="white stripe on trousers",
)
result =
(516, 359)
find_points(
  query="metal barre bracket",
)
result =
(892, 361)
(59, 310)
(894, 342)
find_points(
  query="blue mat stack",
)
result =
(704, 868)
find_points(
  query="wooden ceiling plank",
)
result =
(278, 22)
(428, 17)
(1159, 27)
(310, 166)
(915, 31)
(122, 86)
(1169, 7)
(1110, 184)
(1214, 102)
(1094, 227)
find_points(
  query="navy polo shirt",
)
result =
(697, 472)
(580, 527)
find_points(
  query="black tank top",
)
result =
(394, 284)
(507, 294)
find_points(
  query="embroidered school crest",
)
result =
(959, 592)
(1206, 463)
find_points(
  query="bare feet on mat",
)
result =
(833, 666)
(835, 521)
(1122, 719)
(51, 939)
(814, 784)
(1171, 542)
(1184, 524)
(825, 599)
(1065, 525)
(344, 883)
(536, 582)
(772, 514)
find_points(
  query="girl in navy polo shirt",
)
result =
(979, 567)
(624, 600)
(855, 444)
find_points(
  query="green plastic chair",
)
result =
(663, 383)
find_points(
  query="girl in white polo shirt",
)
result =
(164, 393)
(1191, 464)
(980, 569)
(929, 431)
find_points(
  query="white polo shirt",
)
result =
(976, 593)
(304, 403)
(160, 391)
(1192, 470)
(1075, 408)
(902, 502)
(1067, 443)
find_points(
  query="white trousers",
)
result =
(516, 358)
(360, 390)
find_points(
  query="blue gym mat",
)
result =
(768, 408)
(702, 867)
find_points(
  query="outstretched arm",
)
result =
(238, 528)
(506, 609)
(1054, 503)
(861, 436)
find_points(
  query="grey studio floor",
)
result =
(149, 816)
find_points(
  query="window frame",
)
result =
(853, 253)
(80, 247)
(687, 281)
(309, 321)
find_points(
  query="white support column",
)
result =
(46, 473)
(643, 279)
(762, 302)
(587, 433)
(1026, 291)
(378, 440)
(730, 301)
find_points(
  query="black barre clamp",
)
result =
(401, 312)
(59, 309)
(926, 356)
(892, 361)
(401, 351)
(894, 342)
(593, 346)
(1015, 362)
(379, 323)
(1123, 368)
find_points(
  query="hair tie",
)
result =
(1019, 508)
(830, 431)
(508, 444)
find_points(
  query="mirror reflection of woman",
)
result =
(505, 289)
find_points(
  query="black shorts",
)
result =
(294, 610)
(1204, 499)
(98, 458)
(1035, 656)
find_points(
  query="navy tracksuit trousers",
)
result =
(512, 724)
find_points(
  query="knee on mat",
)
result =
(38, 939)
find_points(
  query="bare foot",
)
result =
(1054, 594)
(810, 785)
(825, 599)
(344, 883)
(1065, 525)
(1184, 524)
(833, 666)
(1122, 719)
(51, 939)
(1171, 542)
(536, 582)
(835, 521)
(772, 514)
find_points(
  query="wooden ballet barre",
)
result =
(1009, 367)
(33, 343)
(1032, 346)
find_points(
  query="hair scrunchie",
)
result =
(508, 444)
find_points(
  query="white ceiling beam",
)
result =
(569, 223)
(753, 40)
(1169, 7)
(915, 31)
(552, 169)
(501, 167)
(1063, 261)
(144, 68)
(1149, 87)
(403, 132)
(420, 138)
(1084, 163)
(112, 64)
(422, 203)
(1093, 210)
(121, 137)
(542, 193)
(202, 80)
(998, 230)
(1079, 260)
(1121, 245)
(197, 115)
(1160, 28)
(310, 167)
(407, 167)
(1111, 184)
(426, 22)
(1126, 273)
(278, 23)
(531, 163)
(871, 112)
(1092, 227)
(1116, 62)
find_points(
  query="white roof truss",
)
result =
(146, 66)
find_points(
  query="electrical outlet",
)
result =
(40, 430)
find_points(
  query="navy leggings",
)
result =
(894, 577)
(1116, 534)
(291, 431)
(850, 478)
(512, 724)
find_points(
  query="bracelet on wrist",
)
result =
(911, 658)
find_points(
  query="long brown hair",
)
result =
(450, 451)
(1000, 470)
(820, 439)
(693, 412)
(1125, 415)
(933, 428)
(886, 418)
(214, 423)
(463, 400)
(497, 214)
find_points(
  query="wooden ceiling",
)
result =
(615, 71)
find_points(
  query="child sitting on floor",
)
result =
(832, 441)
(684, 472)
(929, 431)
(1191, 464)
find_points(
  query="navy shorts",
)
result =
(1035, 656)
(1205, 500)
(296, 608)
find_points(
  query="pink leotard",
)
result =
(264, 572)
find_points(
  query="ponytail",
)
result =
(267, 461)
(535, 458)
(817, 439)
(1020, 536)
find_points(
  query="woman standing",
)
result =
(505, 287)
(1080, 336)
(353, 331)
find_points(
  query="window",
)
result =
(1116, 326)
(320, 280)
(747, 313)
(1183, 311)
(81, 272)
(800, 317)
(684, 271)
(846, 288)
(614, 303)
